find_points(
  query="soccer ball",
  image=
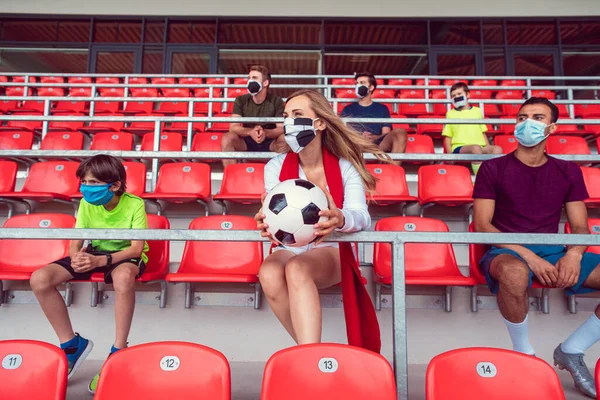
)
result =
(291, 209)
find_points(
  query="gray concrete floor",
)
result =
(246, 378)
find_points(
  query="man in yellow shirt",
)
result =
(462, 138)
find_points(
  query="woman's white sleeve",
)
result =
(272, 171)
(355, 209)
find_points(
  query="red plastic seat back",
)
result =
(345, 93)
(51, 92)
(209, 141)
(327, 371)
(439, 108)
(594, 225)
(158, 250)
(567, 145)
(443, 181)
(476, 253)
(243, 179)
(16, 253)
(32, 370)
(6, 105)
(384, 93)
(184, 178)
(587, 110)
(139, 107)
(57, 140)
(591, 177)
(421, 259)
(391, 180)
(165, 370)
(16, 140)
(136, 177)
(112, 141)
(243, 258)
(490, 374)
(343, 81)
(144, 92)
(513, 82)
(550, 95)
(8, 175)
(508, 143)
(399, 82)
(169, 141)
(484, 82)
(52, 177)
(419, 144)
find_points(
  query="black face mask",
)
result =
(254, 87)
(362, 91)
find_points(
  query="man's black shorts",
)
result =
(253, 146)
(84, 276)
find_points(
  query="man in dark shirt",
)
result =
(257, 103)
(524, 192)
(382, 134)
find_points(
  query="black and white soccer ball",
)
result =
(291, 209)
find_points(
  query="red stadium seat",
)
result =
(16, 140)
(6, 105)
(591, 177)
(477, 94)
(432, 82)
(67, 125)
(450, 82)
(240, 81)
(343, 81)
(513, 82)
(550, 95)
(425, 264)
(203, 107)
(50, 92)
(448, 185)
(380, 81)
(138, 107)
(421, 144)
(17, 91)
(163, 81)
(435, 130)
(169, 141)
(242, 183)
(20, 79)
(182, 182)
(80, 91)
(111, 92)
(345, 93)
(216, 81)
(80, 79)
(399, 82)
(594, 227)
(587, 110)
(508, 143)
(137, 80)
(204, 92)
(384, 94)
(173, 107)
(103, 126)
(209, 141)
(510, 109)
(112, 141)
(220, 262)
(30, 361)
(491, 374)
(439, 108)
(402, 125)
(69, 106)
(107, 107)
(191, 81)
(563, 111)
(143, 127)
(567, 145)
(220, 126)
(136, 178)
(32, 106)
(164, 370)
(484, 82)
(52, 79)
(23, 125)
(60, 140)
(182, 127)
(18, 261)
(8, 175)
(412, 109)
(175, 92)
(391, 187)
(327, 371)
(144, 92)
(570, 129)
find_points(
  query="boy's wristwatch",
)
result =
(108, 260)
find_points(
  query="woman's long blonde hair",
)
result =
(340, 139)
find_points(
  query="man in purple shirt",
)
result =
(524, 192)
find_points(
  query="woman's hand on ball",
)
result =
(262, 227)
(335, 220)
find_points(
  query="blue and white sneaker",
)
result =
(76, 349)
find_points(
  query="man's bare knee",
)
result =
(229, 141)
(511, 273)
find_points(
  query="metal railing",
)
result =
(396, 239)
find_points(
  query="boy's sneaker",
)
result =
(77, 349)
(94, 382)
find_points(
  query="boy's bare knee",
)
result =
(124, 279)
(41, 280)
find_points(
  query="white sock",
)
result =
(584, 337)
(519, 335)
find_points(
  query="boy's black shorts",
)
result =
(84, 276)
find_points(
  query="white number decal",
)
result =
(16, 136)
(163, 137)
(442, 171)
(486, 370)
(170, 363)
(250, 170)
(214, 137)
(410, 227)
(45, 223)
(114, 137)
(12, 361)
(328, 365)
(187, 169)
(226, 225)
(378, 171)
(596, 228)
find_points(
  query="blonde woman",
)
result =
(324, 151)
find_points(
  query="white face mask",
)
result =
(460, 101)
(299, 132)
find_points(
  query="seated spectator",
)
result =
(257, 103)
(105, 205)
(524, 192)
(382, 134)
(463, 138)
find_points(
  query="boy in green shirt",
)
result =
(105, 205)
(462, 138)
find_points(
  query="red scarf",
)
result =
(361, 321)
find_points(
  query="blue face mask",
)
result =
(530, 133)
(97, 195)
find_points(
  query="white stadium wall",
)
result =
(310, 8)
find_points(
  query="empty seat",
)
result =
(16, 140)
(450, 82)
(345, 93)
(591, 177)
(173, 107)
(67, 125)
(448, 185)
(422, 144)
(412, 109)
(61, 140)
(209, 141)
(162, 370)
(571, 129)
(343, 81)
(138, 107)
(136, 177)
(206, 261)
(32, 370)
(8, 175)
(163, 81)
(513, 82)
(327, 371)
(399, 82)
(137, 80)
(587, 110)
(550, 95)
(220, 126)
(191, 81)
(112, 141)
(484, 82)
(143, 92)
(242, 183)
(567, 145)
(240, 81)
(81, 91)
(204, 92)
(385, 94)
(169, 141)
(434, 130)
(182, 127)
(25, 125)
(182, 183)
(79, 79)
(391, 187)
(7, 105)
(69, 106)
(18, 260)
(175, 92)
(101, 126)
(33, 106)
(404, 126)
(143, 127)
(52, 79)
(50, 92)
(107, 107)
(594, 227)
(511, 109)
(508, 143)
(432, 82)
(491, 374)
(111, 91)
(439, 108)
